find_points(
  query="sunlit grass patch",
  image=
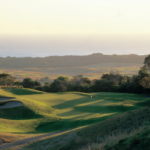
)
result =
(23, 91)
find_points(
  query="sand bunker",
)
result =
(11, 104)
(6, 98)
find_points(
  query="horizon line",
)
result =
(73, 55)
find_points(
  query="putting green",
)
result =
(45, 112)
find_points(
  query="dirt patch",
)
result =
(11, 104)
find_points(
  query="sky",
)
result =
(128, 20)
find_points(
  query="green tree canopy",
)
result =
(37, 83)
(143, 73)
(6, 79)
(28, 83)
(147, 62)
(62, 78)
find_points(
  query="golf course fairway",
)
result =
(45, 112)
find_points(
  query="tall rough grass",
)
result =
(111, 139)
(94, 146)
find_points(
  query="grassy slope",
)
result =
(136, 142)
(130, 130)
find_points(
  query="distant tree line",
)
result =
(109, 82)
(28, 83)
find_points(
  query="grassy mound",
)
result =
(18, 113)
(25, 118)
(23, 91)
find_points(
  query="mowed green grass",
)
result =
(45, 112)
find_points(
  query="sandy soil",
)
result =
(11, 104)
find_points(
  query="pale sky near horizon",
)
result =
(74, 17)
(74, 27)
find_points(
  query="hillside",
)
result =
(130, 131)
(68, 61)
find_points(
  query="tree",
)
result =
(37, 83)
(6, 79)
(18, 83)
(60, 84)
(77, 80)
(28, 83)
(86, 81)
(46, 87)
(143, 73)
(102, 86)
(147, 62)
(145, 82)
(143, 78)
(62, 78)
(114, 76)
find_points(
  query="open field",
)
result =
(93, 71)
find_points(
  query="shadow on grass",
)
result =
(18, 113)
(23, 91)
(75, 102)
(67, 124)
(104, 109)
(87, 99)
(144, 103)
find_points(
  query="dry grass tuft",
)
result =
(94, 146)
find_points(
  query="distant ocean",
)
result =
(45, 48)
(41, 52)
(46, 53)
